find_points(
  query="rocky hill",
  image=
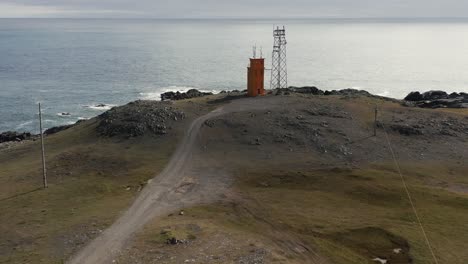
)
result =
(139, 118)
(296, 176)
(437, 99)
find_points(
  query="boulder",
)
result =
(437, 99)
(434, 95)
(445, 103)
(139, 118)
(192, 93)
(195, 93)
(406, 130)
(414, 96)
(14, 136)
(54, 130)
(315, 91)
(348, 92)
(283, 91)
(306, 90)
(168, 96)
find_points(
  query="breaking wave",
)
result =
(156, 95)
(100, 107)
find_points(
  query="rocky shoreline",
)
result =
(192, 93)
(431, 99)
(14, 136)
(10, 138)
(437, 99)
(127, 121)
(136, 118)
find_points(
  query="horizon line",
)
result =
(235, 18)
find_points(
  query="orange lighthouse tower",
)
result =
(256, 76)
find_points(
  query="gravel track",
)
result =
(166, 193)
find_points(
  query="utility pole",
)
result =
(375, 122)
(44, 171)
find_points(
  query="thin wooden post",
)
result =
(44, 170)
(375, 122)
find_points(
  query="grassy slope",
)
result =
(91, 181)
(326, 207)
(348, 215)
(373, 197)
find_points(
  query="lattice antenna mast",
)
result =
(279, 73)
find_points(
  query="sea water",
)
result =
(79, 68)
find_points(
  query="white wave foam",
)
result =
(157, 94)
(384, 94)
(150, 96)
(64, 114)
(100, 107)
(158, 91)
(23, 125)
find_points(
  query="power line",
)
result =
(397, 165)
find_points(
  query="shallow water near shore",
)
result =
(84, 67)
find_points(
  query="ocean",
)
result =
(74, 65)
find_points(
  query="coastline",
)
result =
(429, 99)
(316, 149)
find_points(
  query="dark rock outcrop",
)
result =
(434, 95)
(54, 130)
(414, 96)
(138, 118)
(315, 91)
(348, 92)
(303, 90)
(306, 90)
(406, 129)
(437, 99)
(14, 136)
(444, 103)
(192, 93)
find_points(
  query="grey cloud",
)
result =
(242, 8)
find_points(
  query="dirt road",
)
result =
(168, 191)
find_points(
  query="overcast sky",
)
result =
(233, 8)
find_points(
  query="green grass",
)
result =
(327, 207)
(92, 180)
(348, 216)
